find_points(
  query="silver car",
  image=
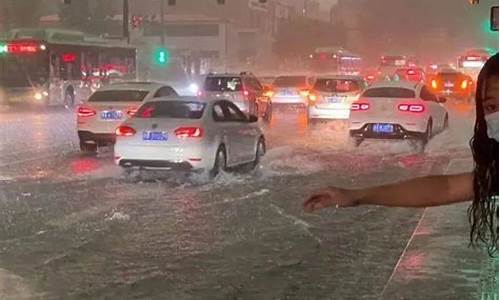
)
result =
(331, 96)
(189, 133)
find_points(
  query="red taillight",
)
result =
(86, 111)
(125, 131)
(200, 93)
(189, 132)
(132, 111)
(411, 72)
(370, 77)
(360, 106)
(417, 108)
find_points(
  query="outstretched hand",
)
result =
(330, 197)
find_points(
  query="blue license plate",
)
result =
(111, 115)
(154, 136)
(334, 99)
(383, 128)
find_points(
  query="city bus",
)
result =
(389, 64)
(471, 62)
(335, 61)
(59, 67)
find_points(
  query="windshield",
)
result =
(171, 110)
(337, 86)
(223, 84)
(290, 81)
(389, 92)
(118, 96)
(23, 71)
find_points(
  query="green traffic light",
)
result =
(162, 56)
(3, 49)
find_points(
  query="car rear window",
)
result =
(171, 109)
(337, 86)
(223, 84)
(389, 92)
(118, 96)
(290, 81)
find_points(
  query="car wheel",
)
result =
(269, 114)
(260, 152)
(446, 122)
(220, 163)
(88, 147)
(356, 141)
(426, 136)
(69, 99)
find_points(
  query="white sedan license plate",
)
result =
(111, 115)
(154, 136)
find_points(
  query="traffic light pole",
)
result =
(162, 21)
(126, 33)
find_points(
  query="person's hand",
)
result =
(330, 197)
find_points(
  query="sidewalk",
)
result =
(438, 264)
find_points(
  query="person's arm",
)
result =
(419, 192)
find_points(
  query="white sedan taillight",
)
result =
(416, 108)
(84, 111)
(189, 132)
(360, 106)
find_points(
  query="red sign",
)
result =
(69, 57)
(23, 47)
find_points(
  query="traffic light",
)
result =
(3, 48)
(161, 56)
(137, 21)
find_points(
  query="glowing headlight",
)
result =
(193, 87)
(38, 96)
(45, 93)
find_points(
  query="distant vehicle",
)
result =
(243, 89)
(453, 84)
(190, 134)
(472, 61)
(412, 74)
(371, 75)
(334, 60)
(397, 110)
(98, 117)
(331, 96)
(173, 74)
(60, 67)
(390, 63)
(289, 91)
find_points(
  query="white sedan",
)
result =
(191, 134)
(397, 110)
(109, 106)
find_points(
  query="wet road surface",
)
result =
(74, 227)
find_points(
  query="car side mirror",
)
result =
(442, 100)
(253, 119)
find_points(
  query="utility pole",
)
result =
(126, 33)
(162, 21)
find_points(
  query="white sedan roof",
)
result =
(394, 84)
(135, 85)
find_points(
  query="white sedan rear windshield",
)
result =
(337, 85)
(118, 96)
(389, 92)
(171, 109)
